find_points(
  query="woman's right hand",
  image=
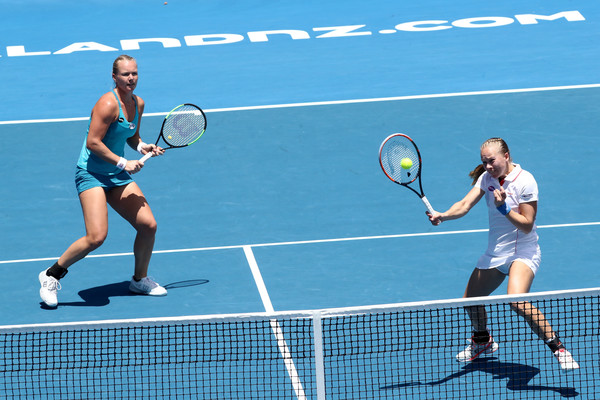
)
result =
(133, 166)
(435, 218)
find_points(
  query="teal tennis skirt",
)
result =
(85, 180)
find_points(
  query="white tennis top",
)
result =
(504, 239)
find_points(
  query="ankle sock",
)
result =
(554, 344)
(56, 271)
(481, 337)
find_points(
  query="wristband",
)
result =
(122, 163)
(139, 147)
(503, 208)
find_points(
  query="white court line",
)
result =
(300, 242)
(277, 331)
(260, 284)
(333, 102)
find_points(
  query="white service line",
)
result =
(277, 331)
(298, 242)
(260, 283)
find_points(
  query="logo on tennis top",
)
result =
(131, 124)
(491, 188)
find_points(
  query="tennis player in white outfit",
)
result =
(511, 194)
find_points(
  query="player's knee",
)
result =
(152, 227)
(148, 228)
(96, 240)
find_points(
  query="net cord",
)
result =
(306, 314)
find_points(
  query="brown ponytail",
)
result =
(479, 169)
(476, 173)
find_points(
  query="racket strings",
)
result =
(183, 126)
(393, 152)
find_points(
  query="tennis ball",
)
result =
(406, 163)
(169, 137)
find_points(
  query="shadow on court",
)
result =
(518, 375)
(99, 296)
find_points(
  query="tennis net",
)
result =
(400, 351)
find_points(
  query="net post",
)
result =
(319, 359)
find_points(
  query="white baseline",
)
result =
(333, 102)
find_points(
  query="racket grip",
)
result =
(429, 208)
(146, 157)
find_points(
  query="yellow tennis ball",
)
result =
(406, 163)
(169, 137)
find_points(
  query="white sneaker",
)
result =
(474, 350)
(147, 286)
(565, 359)
(50, 285)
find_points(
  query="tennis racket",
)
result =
(394, 153)
(183, 125)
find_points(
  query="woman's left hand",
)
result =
(499, 196)
(154, 149)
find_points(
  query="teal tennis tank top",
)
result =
(115, 139)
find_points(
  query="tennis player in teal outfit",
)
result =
(103, 177)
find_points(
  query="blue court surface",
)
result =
(299, 96)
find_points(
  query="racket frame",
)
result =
(419, 193)
(161, 134)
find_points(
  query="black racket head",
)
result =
(184, 125)
(392, 151)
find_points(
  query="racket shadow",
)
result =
(100, 296)
(184, 284)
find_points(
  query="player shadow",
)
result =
(518, 375)
(100, 296)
